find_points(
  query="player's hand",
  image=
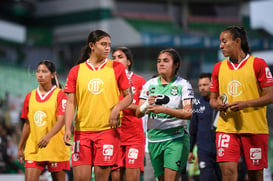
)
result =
(237, 106)
(156, 109)
(191, 157)
(21, 156)
(43, 141)
(114, 119)
(67, 138)
(152, 99)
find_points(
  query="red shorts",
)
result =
(253, 146)
(51, 166)
(95, 148)
(131, 156)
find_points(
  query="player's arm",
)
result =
(265, 99)
(122, 104)
(22, 142)
(68, 116)
(183, 113)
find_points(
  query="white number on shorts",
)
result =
(76, 146)
(223, 140)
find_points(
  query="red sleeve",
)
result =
(137, 84)
(121, 75)
(61, 102)
(214, 85)
(71, 81)
(262, 72)
(25, 107)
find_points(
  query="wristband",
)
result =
(143, 107)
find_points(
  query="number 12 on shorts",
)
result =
(223, 140)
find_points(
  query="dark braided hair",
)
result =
(239, 32)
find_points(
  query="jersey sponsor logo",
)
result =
(255, 153)
(162, 99)
(108, 150)
(234, 88)
(63, 104)
(195, 101)
(39, 118)
(151, 91)
(95, 86)
(133, 153)
(190, 92)
(268, 73)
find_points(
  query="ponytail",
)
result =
(55, 81)
(84, 55)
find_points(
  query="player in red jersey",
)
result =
(41, 142)
(242, 127)
(93, 90)
(131, 154)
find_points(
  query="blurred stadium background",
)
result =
(33, 30)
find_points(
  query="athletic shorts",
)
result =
(95, 148)
(172, 154)
(51, 166)
(131, 156)
(254, 148)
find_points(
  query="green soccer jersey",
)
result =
(162, 126)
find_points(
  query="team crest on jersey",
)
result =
(174, 91)
(76, 157)
(95, 86)
(234, 88)
(220, 152)
(39, 118)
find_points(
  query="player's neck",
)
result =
(43, 89)
(95, 62)
(238, 59)
(166, 79)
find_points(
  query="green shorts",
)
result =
(172, 154)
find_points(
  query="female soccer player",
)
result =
(132, 150)
(41, 143)
(167, 99)
(93, 88)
